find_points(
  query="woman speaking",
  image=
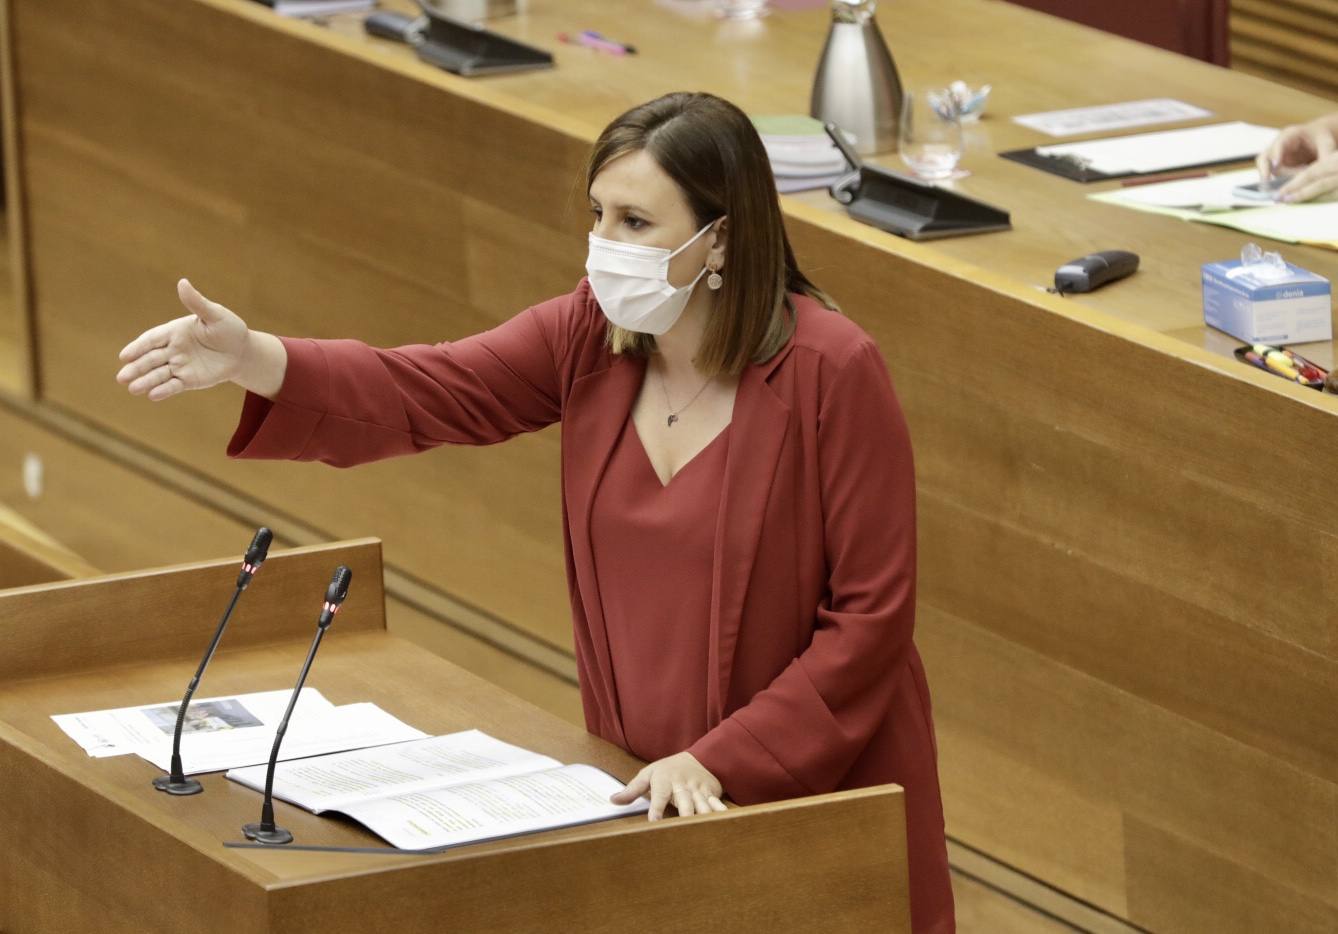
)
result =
(738, 492)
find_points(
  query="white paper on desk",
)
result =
(1212, 193)
(1111, 116)
(1168, 149)
(352, 726)
(1313, 223)
(561, 797)
(118, 732)
(342, 780)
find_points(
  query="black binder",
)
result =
(469, 50)
(1079, 171)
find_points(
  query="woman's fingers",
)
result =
(209, 312)
(151, 339)
(660, 791)
(1264, 163)
(637, 787)
(1319, 179)
(155, 377)
(716, 804)
(158, 384)
(683, 801)
(1293, 147)
(1272, 156)
(135, 371)
(1324, 143)
(167, 390)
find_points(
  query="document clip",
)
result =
(906, 207)
(469, 50)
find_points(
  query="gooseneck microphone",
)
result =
(177, 783)
(265, 831)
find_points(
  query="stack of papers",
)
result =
(229, 732)
(802, 155)
(1210, 200)
(1111, 116)
(1144, 153)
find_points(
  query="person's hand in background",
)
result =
(1310, 150)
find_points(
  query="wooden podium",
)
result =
(91, 846)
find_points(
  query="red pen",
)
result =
(1153, 179)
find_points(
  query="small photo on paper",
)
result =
(203, 717)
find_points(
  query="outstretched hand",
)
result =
(196, 351)
(678, 778)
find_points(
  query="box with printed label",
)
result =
(1264, 305)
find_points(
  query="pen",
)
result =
(590, 42)
(1153, 179)
(629, 49)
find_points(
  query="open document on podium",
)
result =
(447, 790)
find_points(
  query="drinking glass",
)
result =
(929, 138)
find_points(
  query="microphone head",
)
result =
(255, 555)
(336, 593)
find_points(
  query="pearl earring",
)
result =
(714, 280)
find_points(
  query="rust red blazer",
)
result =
(817, 684)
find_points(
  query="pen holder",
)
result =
(1285, 363)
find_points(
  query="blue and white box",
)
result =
(1262, 304)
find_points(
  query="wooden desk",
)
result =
(93, 847)
(1127, 542)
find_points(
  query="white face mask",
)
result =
(631, 283)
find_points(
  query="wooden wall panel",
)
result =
(523, 679)
(1177, 886)
(1259, 690)
(113, 517)
(1114, 749)
(1292, 41)
(130, 520)
(1022, 816)
(402, 239)
(18, 350)
(30, 556)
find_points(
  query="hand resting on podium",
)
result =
(679, 779)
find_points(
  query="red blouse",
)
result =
(661, 537)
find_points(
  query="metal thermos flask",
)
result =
(857, 86)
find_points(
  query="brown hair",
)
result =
(712, 151)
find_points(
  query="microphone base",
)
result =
(186, 786)
(276, 836)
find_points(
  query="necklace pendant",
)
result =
(672, 419)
